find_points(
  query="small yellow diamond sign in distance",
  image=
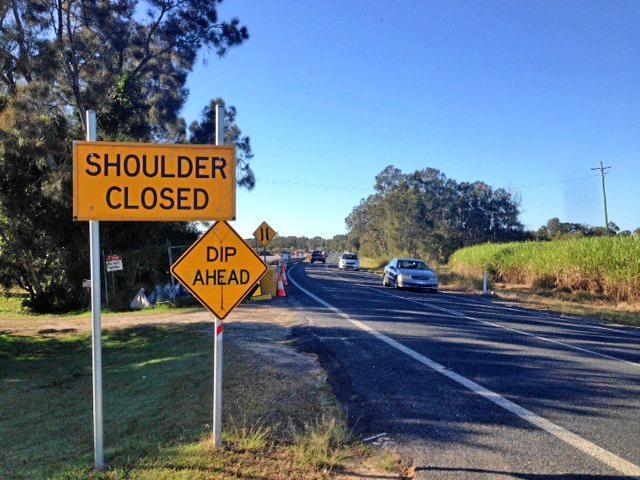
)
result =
(219, 269)
(264, 234)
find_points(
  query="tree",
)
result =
(59, 59)
(202, 132)
(424, 213)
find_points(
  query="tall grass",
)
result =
(602, 266)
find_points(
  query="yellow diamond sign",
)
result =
(219, 269)
(264, 234)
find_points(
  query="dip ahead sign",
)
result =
(220, 269)
(153, 182)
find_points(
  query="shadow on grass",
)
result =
(157, 397)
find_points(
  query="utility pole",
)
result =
(603, 172)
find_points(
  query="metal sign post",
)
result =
(218, 331)
(96, 329)
(187, 183)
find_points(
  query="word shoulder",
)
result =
(133, 165)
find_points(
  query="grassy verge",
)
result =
(602, 266)
(280, 421)
(11, 307)
(571, 303)
(373, 264)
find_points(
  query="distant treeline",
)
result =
(292, 242)
(426, 214)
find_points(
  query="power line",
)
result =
(555, 182)
(289, 183)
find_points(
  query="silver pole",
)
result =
(485, 283)
(171, 279)
(217, 350)
(96, 331)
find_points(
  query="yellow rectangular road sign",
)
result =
(219, 269)
(264, 234)
(153, 182)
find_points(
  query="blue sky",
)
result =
(526, 95)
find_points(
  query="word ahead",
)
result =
(155, 182)
(219, 269)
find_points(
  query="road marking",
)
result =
(551, 316)
(521, 332)
(612, 460)
(535, 313)
(486, 322)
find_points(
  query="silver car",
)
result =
(409, 273)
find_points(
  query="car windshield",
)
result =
(412, 265)
(350, 256)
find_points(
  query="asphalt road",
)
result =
(468, 389)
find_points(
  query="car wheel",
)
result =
(395, 284)
(384, 281)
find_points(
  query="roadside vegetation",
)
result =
(426, 214)
(603, 266)
(280, 419)
(50, 54)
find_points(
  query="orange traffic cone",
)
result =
(281, 292)
(284, 275)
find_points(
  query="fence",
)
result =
(147, 268)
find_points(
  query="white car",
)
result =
(349, 261)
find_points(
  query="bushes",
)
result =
(608, 266)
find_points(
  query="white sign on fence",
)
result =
(114, 263)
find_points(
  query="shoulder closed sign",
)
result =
(154, 182)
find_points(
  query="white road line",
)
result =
(551, 316)
(535, 313)
(497, 325)
(612, 460)
(486, 322)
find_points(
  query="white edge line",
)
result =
(373, 437)
(564, 320)
(612, 460)
(559, 319)
(515, 330)
(425, 303)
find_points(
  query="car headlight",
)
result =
(404, 276)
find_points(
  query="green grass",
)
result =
(608, 267)
(157, 407)
(11, 307)
(373, 264)
(388, 461)
(321, 444)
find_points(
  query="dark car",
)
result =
(318, 256)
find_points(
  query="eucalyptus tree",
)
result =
(126, 59)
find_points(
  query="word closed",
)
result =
(154, 182)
